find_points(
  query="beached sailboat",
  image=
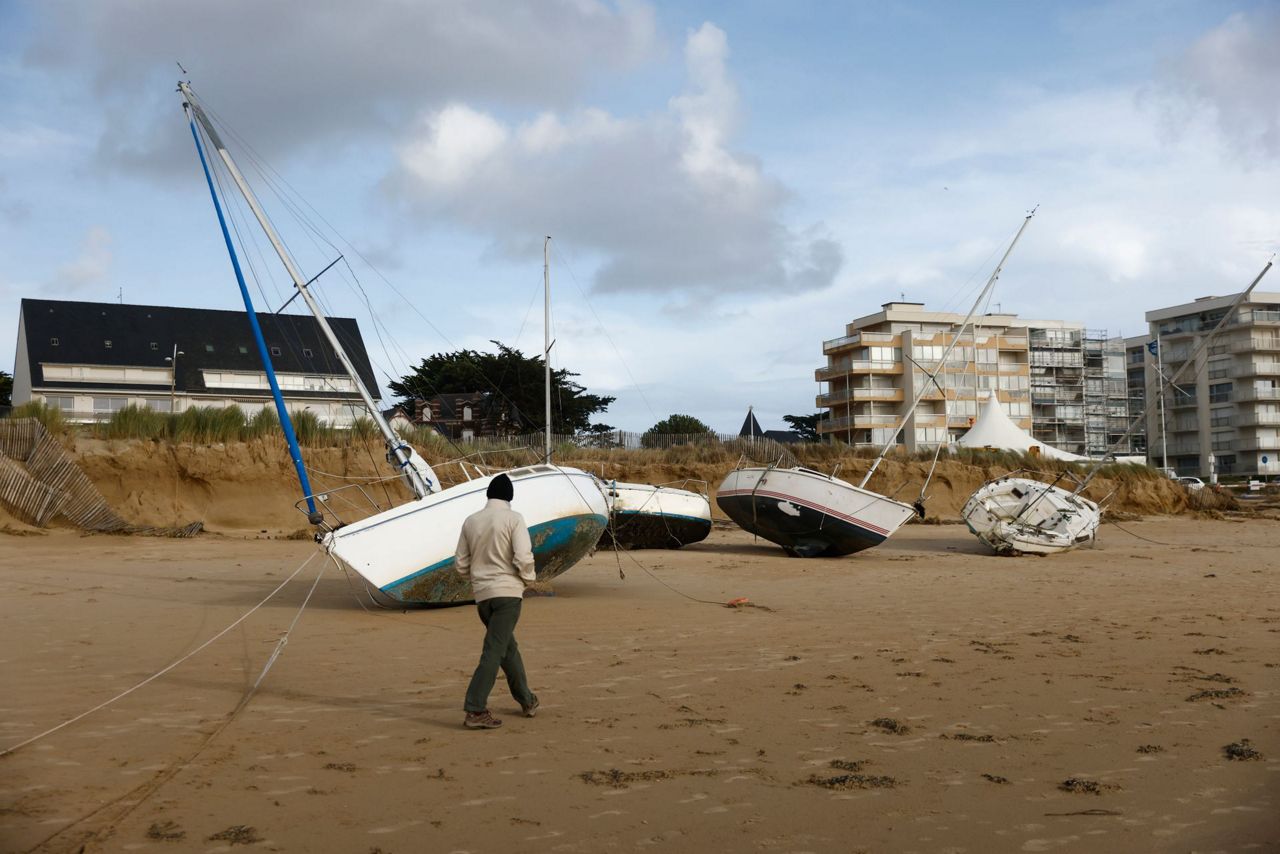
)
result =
(1019, 515)
(407, 552)
(644, 516)
(811, 514)
(1015, 515)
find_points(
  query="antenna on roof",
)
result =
(120, 295)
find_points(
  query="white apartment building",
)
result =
(1224, 415)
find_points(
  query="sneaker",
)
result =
(531, 709)
(481, 720)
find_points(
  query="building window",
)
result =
(64, 402)
(107, 343)
(466, 413)
(53, 342)
(155, 346)
(109, 405)
(243, 349)
(160, 404)
(208, 348)
(275, 351)
(306, 352)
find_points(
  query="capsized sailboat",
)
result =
(812, 514)
(407, 552)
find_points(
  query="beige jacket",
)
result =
(494, 552)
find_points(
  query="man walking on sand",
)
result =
(495, 553)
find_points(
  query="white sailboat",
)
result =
(811, 514)
(1019, 515)
(407, 552)
(645, 516)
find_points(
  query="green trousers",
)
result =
(499, 616)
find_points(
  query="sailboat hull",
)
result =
(656, 517)
(1015, 515)
(408, 552)
(809, 514)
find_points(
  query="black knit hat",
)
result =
(500, 487)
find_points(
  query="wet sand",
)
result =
(922, 696)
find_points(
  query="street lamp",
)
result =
(173, 378)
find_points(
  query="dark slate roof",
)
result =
(451, 403)
(750, 426)
(81, 329)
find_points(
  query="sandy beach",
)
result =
(922, 696)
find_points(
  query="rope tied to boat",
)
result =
(10, 750)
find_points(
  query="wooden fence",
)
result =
(39, 482)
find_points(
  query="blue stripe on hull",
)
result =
(557, 545)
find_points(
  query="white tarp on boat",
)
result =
(994, 429)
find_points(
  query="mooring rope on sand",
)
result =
(9, 750)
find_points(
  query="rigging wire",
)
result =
(9, 750)
(605, 330)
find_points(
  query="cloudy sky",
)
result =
(726, 183)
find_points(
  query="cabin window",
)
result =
(466, 413)
(53, 342)
(275, 351)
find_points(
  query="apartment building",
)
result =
(91, 360)
(1062, 383)
(1223, 416)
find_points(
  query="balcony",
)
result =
(1253, 393)
(1258, 419)
(844, 368)
(1257, 343)
(859, 421)
(858, 395)
(1259, 317)
(1257, 368)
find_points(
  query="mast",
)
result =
(286, 423)
(418, 481)
(1164, 437)
(546, 332)
(995, 274)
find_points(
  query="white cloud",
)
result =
(660, 200)
(339, 70)
(1234, 70)
(90, 267)
(451, 145)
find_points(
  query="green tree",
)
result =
(513, 386)
(806, 425)
(6, 388)
(674, 425)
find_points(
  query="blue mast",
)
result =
(286, 423)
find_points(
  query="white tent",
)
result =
(994, 429)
